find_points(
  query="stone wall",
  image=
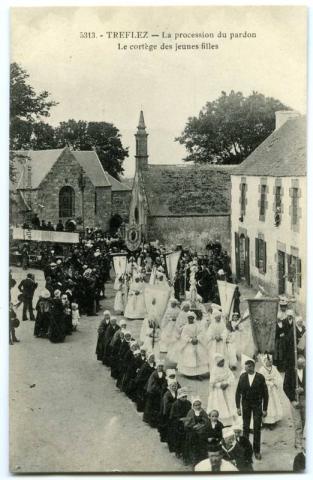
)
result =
(103, 207)
(193, 231)
(65, 172)
(121, 203)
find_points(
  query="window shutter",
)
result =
(289, 271)
(264, 257)
(247, 260)
(257, 252)
(299, 276)
(237, 255)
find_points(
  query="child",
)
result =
(75, 316)
(13, 324)
(119, 296)
(215, 426)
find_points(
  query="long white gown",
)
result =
(274, 384)
(231, 349)
(182, 319)
(216, 337)
(192, 359)
(222, 400)
(169, 340)
(169, 332)
(135, 307)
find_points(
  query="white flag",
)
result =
(226, 291)
(156, 300)
(172, 260)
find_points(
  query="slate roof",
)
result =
(181, 190)
(118, 186)
(42, 161)
(282, 154)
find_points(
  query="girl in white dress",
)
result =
(274, 384)
(192, 356)
(119, 304)
(135, 307)
(222, 391)
(171, 311)
(182, 318)
(216, 337)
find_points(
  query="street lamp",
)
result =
(82, 186)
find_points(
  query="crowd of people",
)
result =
(192, 338)
(189, 431)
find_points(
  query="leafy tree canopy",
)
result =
(26, 107)
(102, 137)
(229, 128)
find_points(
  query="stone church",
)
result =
(67, 185)
(179, 204)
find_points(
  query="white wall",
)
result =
(272, 235)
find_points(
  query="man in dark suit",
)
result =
(294, 388)
(252, 394)
(28, 287)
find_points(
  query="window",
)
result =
(95, 203)
(278, 197)
(294, 206)
(66, 202)
(260, 255)
(294, 272)
(137, 215)
(243, 199)
(263, 200)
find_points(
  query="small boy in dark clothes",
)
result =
(215, 426)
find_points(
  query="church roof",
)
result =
(282, 154)
(41, 162)
(181, 190)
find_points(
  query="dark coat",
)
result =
(290, 383)
(28, 287)
(216, 432)
(254, 396)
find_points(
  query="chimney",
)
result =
(282, 116)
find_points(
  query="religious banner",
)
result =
(172, 260)
(133, 237)
(263, 318)
(226, 292)
(44, 235)
(119, 264)
(156, 300)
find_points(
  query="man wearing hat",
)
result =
(252, 399)
(28, 287)
(215, 461)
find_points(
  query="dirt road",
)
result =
(66, 414)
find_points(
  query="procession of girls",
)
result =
(191, 339)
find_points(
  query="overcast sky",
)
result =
(93, 80)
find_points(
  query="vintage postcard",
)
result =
(157, 239)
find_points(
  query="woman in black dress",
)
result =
(156, 387)
(196, 427)
(176, 437)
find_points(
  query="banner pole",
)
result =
(295, 355)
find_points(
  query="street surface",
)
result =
(66, 415)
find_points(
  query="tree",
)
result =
(229, 128)
(26, 109)
(103, 137)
